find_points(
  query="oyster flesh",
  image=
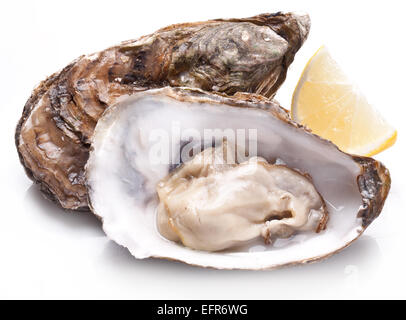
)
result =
(55, 130)
(147, 182)
(213, 202)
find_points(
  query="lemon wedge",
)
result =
(330, 105)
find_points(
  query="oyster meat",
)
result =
(56, 128)
(153, 179)
(213, 203)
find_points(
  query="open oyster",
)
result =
(54, 132)
(148, 184)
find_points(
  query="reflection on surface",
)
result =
(352, 265)
(50, 210)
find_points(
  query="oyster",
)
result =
(215, 202)
(132, 179)
(55, 130)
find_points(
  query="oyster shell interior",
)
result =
(122, 179)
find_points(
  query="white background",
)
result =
(48, 253)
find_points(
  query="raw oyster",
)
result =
(55, 130)
(125, 168)
(215, 202)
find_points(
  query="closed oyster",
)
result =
(55, 130)
(153, 200)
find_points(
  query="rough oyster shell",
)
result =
(58, 120)
(121, 178)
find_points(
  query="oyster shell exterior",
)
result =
(353, 188)
(55, 130)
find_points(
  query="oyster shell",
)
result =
(54, 132)
(122, 178)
